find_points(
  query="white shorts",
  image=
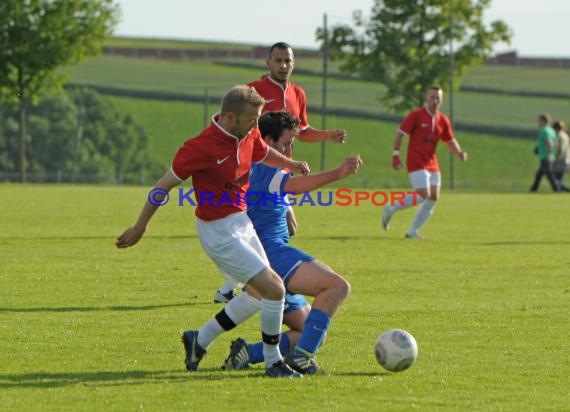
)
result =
(422, 179)
(233, 246)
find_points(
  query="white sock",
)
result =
(242, 307)
(239, 309)
(210, 331)
(226, 288)
(271, 320)
(409, 201)
(422, 216)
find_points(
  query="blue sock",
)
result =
(314, 331)
(255, 350)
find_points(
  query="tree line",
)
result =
(78, 132)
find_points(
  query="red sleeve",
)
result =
(304, 119)
(260, 148)
(188, 160)
(407, 125)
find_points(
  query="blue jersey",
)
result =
(266, 207)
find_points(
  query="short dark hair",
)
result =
(279, 45)
(274, 123)
(545, 117)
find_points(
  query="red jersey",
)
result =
(425, 131)
(292, 99)
(219, 164)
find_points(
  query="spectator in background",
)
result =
(562, 161)
(546, 151)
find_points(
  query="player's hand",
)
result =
(129, 237)
(396, 162)
(350, 165)
(301, 167)
(463, 156)
(337, 136)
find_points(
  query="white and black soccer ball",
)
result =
(396, 350)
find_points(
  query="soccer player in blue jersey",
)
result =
(302, 273)
(282, 94)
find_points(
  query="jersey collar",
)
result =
(215, 118)
(276, 83)
(430, 113)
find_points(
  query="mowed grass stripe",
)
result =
(88, 327)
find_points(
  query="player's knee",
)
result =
(346, 288)
(271, 285)
(342, 286)
(277, 290)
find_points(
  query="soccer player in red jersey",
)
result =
(219, 161)
(282, 94)
(426, 126)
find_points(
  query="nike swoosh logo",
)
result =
(220, 161)
(267, 101)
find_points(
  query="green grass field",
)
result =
(85, 326)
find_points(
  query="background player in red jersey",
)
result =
(282, 94)
(426, 126)
(219, 161)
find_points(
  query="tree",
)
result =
(111, 144)
(404, 45)
(39, 38)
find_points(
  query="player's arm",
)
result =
(276, 159)
(291, 221)
(315, 135)
(396, 162)
(300, 184)
(549, 147)
(455, 148)
(133, 234)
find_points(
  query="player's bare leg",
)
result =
(330, 290)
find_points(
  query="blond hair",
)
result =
(238, 98)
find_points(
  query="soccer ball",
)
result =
(396, 350)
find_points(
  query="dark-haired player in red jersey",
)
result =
(219, 161)
(282, 94)
(426, 126)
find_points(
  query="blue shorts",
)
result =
(294, 302)
(285, 259)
